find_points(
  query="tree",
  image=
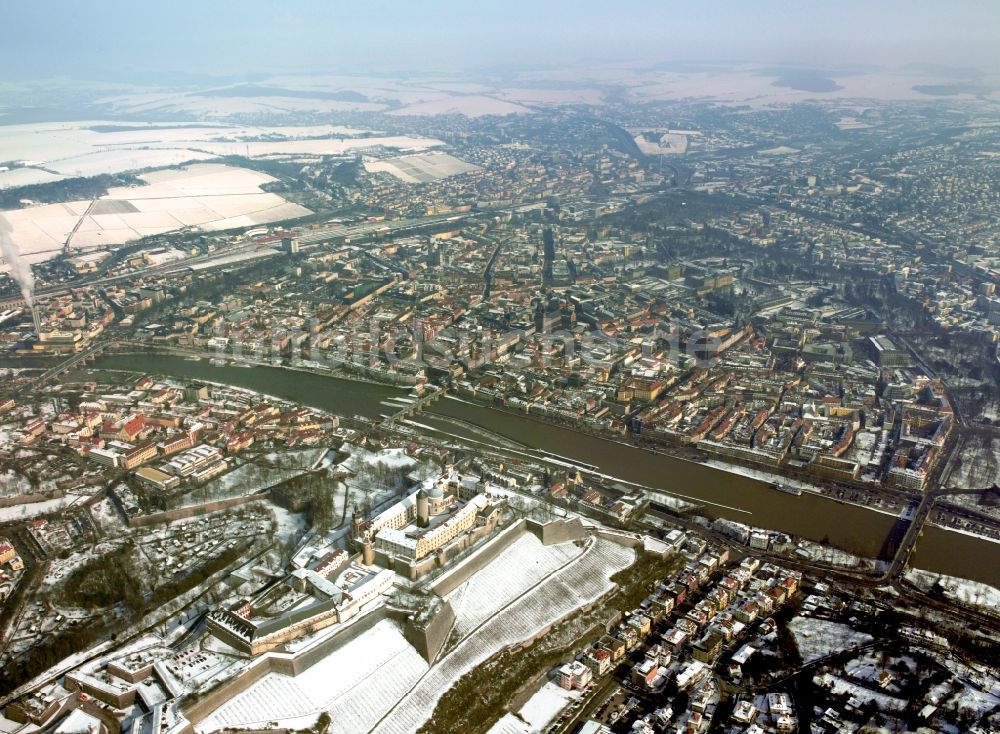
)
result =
(321, 508)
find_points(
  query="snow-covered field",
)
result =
(327, 146)
(550, 96)
(95, 146)
(472, 105)
(116, 161)
(421, 168)
(26, 177)
(817, 638)
(220, 108)
(209, 196)
(41, 231)
(357, 684)
(579, 583)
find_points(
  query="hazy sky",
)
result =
(41, 38)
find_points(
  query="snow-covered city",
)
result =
(500, 368)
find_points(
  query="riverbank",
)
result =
(693, 455)
(859, 529)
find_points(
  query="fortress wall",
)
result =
(478, 560)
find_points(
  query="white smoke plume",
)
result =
(20, 270)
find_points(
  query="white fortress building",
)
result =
(313, 601)
(428, 527)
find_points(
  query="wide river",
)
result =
(854, 528)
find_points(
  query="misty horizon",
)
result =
(243, 41)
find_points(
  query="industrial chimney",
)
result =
(38, 322)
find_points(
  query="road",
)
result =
(488, 271)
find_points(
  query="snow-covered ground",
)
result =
(378, 672)
(290, 525)
(116, 161)
(510, 724)
(13, 484)
(975, 703)
(965, 591)
(817, 638)
(862, 693)
(545, 705)
(421, 168)
(59, 568)
(831, 555)
(582, 581)
(208, 196)
(980, 692)
(379, 475)
(33, 509)
(977, 466)
(107, 517)
(211, 107)
(357, 683)
(360, 458)
(761, 474)
(472, 105)
(251, 478)
(519, 567)
(26, 177)
(537, 712)
(121, 147)
(327, 146)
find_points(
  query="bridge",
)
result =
(87, 355)
(909, 541)
(432, 394)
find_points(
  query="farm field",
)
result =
(88, 147)
(208, 196)
(472, 105)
